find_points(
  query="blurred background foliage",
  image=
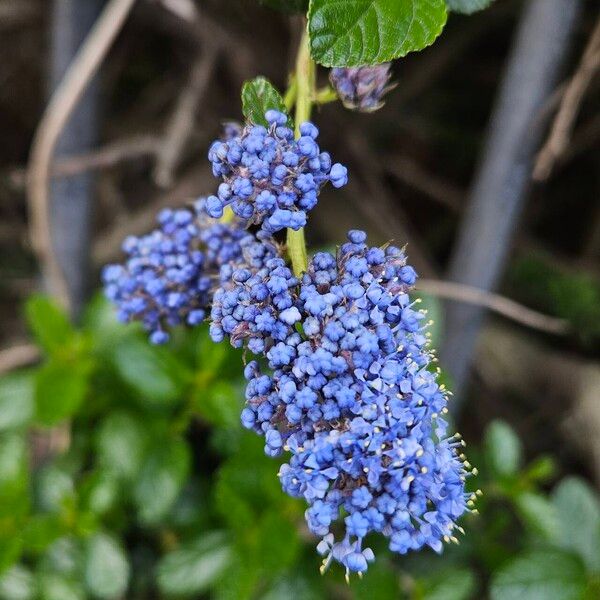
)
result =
(124, 471)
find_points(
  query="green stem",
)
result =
(305, 91)
(325, 95)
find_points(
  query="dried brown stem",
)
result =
(564, 121)
(499, 304)
(56, 115)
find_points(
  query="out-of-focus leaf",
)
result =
(380, 583)
(99, 492)
(298, 587)
(106, 570)
(367, 32)
(100, 322)
(161, 479)
(10, 550)
(53, 488)
(468, 7)
(63, 556)
(17, 583)
(53, 586)
(196, 566)
(16, 400)
(13, 474)
(278, 545)
(150, 370)
(578, 511)
(538, 514)
(219, 404)
(49, 323)
(540, 575)
(503, 449)
(60, 388)
(455, 584)
(541, 469)
(121, 443)
(40, 531)
(258, 96)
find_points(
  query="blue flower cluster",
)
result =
(270, 178)
(350, 395)
(168, 274)
(362, 88)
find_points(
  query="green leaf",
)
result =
(361, 32)
(503, 450)
(220, 404)
(121, 443)
(289, 6)
(150, 370)
(54, 487)
(64, 557)
(41, 530)
(278, 544)
(258, 96)
(435, 313)
(17, 583)
(49, 324)
(106, 571)
(58, 587)
(60, 388)
(457, 584)
(467, 7)
(13, 474)
(161, 479)
(16, 400)
(538, 514)
(195, 567)
(99, 492)
(540, 575)
(382, 583)
(578, 509)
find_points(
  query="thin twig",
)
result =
(562, 127)
(104, 157)
(17, 357)
(181, 123)
(56, 115)
(494, 302)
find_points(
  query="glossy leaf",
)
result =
(258, 96)
(196, 566)
(540, 575)
(360, 32)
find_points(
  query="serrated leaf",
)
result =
(258, 96)
(578, 509)
(49, 323)
(468, 7)
(457, 584)
(16, 400)
(150, 370)
(106, 571)
(540, 575)
(503, 449)
(160, 480)
(538, 514)
(196, 566)
(17, 583)
(121, 443)
(366, 32)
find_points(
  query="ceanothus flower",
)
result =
(168, 274)
(362, 88)
(270, 178)
(350, 394)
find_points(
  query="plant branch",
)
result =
(56, 115)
